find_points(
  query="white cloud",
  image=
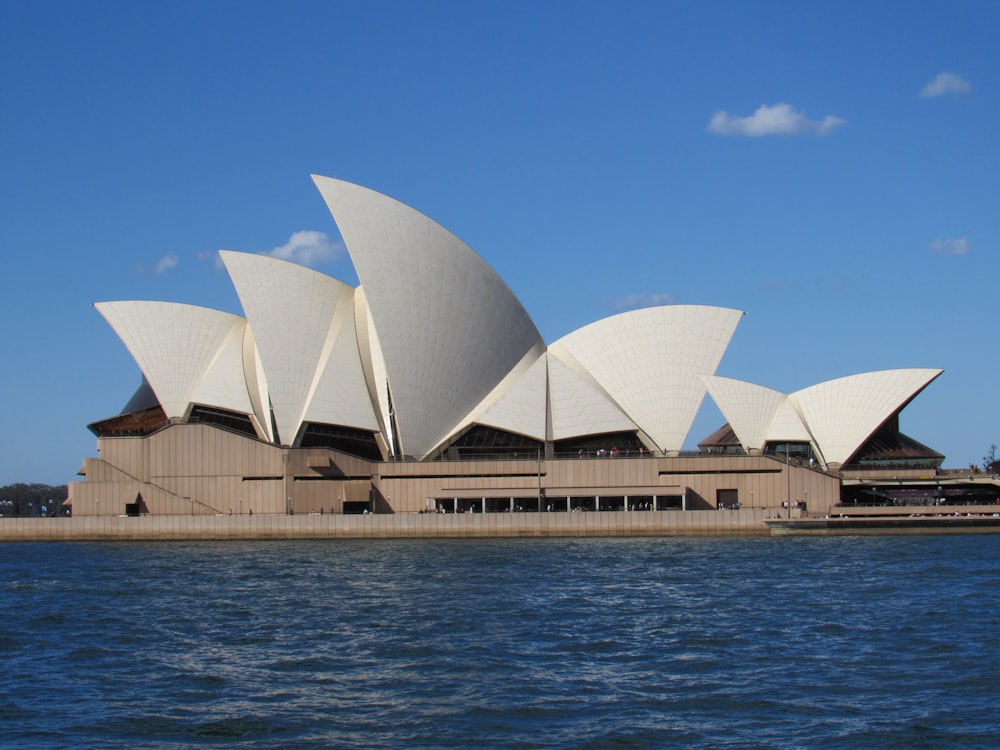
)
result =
(946, 83)
(639, 300)
(167, 263)
(959, 246)
(781, 119)
(308, 248)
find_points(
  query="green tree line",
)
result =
(32, 500)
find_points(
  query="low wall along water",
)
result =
(382, 526)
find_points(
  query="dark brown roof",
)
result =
(724, 436)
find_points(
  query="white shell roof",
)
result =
(841, 414)
(302, 318)
(224, 384)
(750, 409)
(649, 361)
(183, 350)
(450, 328)
(837, 416)
(579, 406)
(518, 403)
(341, 395)
(437, 333)
(787, 425)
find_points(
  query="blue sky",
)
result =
(831, 168)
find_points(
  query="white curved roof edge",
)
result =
(788, 427)
(373, 365)
(295, 313)
(841, 414)
(433, 301)
(173, 343)
(749, 409)
(517, 404)
(648, 361)
(341, 393)
(253, 370)
(578, 404)
(224, 383)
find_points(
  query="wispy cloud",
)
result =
(167, 263)
(639, 300)
(211, 256)
(308, 248)
(781, 119)
(959, 246)
(946, 83)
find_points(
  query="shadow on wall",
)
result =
(697, 502)
(379, 503)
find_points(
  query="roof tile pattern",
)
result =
(649, 362)
(836, 416)
(750, 409)
(433, 342)
(841, 414)
(176, 346)
(449, 327)
(291, 310)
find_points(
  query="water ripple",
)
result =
(629, 643)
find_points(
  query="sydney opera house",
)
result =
(427, 388)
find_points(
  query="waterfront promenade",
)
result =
(386, 526)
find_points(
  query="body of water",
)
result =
(848, 642)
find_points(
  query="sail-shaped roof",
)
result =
(296, 315)
(433, 342)
(841, 414)
(836, 416)
(750, 409)
(649, 361)
(449, 327)
(177, 345)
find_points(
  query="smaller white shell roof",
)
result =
(518, 403)
(296, 315)
(176, 346)
(224, 385)
(836, 416)
(841, 414)
(787, 427)
(341, 394)
(579, 406)
(649, 361)
(750, 409)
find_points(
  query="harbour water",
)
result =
(818, 642)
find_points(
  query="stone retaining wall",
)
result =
(410, 525)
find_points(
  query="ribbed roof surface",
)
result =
(842, 413)
(749, 408)
(433, 342)
(649, 361)
(836, 416)
(449, 327)
(183, 349)
(296, 314)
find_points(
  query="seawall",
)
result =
(387, 526)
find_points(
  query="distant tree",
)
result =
(991, 463)
(29, 499)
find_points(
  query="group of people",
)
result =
(613, 452)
